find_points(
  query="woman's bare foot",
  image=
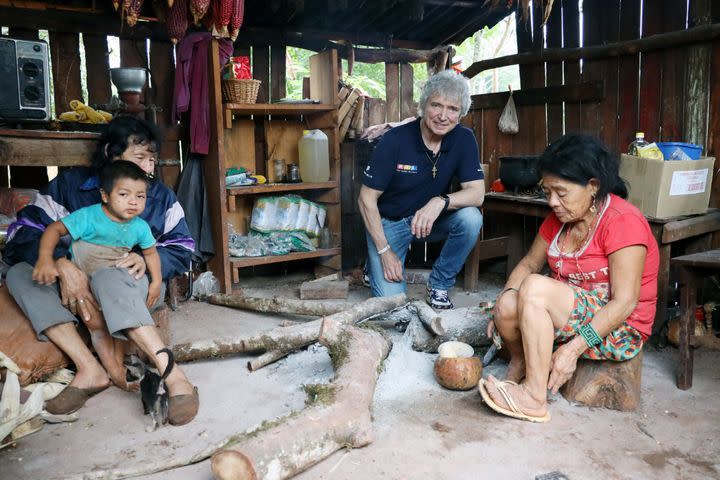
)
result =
(516, 370)
(523, 399)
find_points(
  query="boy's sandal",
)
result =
(71, 399)
(183, 408)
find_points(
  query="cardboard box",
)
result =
(664, 189)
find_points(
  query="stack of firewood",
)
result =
(350, 111)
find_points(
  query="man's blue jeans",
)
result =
(459, 229)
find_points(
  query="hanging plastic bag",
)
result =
(508, 122)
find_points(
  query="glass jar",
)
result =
(293, 173)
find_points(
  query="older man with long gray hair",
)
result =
(406, 191)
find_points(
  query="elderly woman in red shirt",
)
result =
(599, 300)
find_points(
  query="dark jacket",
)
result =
(79, 187)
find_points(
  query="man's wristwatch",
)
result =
(447, 201)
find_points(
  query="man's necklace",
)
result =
(434, 159)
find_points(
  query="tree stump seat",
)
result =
(607, 384)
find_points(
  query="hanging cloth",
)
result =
(192, 196)
(192, 85)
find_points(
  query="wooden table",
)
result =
(691, 269)
(694, 231)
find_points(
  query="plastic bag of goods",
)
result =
(303, 214)
(287, 213)
(264, 214)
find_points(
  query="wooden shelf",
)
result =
(239, 262)
(278, 108)
(281, 187)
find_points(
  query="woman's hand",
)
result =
(75, 290)
(392, 267)
(424, 218)
(563, 364)
(135, 265)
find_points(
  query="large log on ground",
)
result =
(467, 325)
(282, 339)
(342, 420)
(279, 305)
(607, 384)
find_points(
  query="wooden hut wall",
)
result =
(65, 58)
(665, 93)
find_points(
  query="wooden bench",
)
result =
(691, 269)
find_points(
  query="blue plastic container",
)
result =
(668, 149)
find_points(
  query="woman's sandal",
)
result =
(71, 399)
(514, 411)
(183, 408)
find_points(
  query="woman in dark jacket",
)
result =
(52, 309)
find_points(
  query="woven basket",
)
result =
(240, 91)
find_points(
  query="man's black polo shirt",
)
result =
(401, 167)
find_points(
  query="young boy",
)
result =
(104, 233)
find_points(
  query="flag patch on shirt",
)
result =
(406, 168)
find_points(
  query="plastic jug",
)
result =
(314, 156)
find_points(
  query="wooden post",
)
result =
(96, 55)
(697, 78)
(277, 71)
(392, 91)
(407, 106)
(261, 71)
(214, 172)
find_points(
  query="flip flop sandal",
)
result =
(514, 411)
(71, 399)
(183, 408)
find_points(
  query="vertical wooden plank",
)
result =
(65, 54)
(571, 70)
(160, 94)
(324, 76)
(494, 143)
(98, 75)
(277, 84)
(261, 71)
(21, 177)
(376, 111)
(392, 91)
(215, 176)
(306, 87)
(531, 118)
(713, 143)
(651, 77)
(407, 106)
(629, 89)
(554, 73)
(697, 78)
(601, 25)
(133, 53)
(674, 62)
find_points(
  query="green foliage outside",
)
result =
(486, 43)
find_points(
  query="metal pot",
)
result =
(519, 171)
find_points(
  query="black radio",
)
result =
(24, 80)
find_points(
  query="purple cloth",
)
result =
(192, 85)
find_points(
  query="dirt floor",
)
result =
(421, 430)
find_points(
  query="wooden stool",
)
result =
(691, 268)
(606, 384)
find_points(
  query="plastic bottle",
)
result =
(639, 142)
(314, 156)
